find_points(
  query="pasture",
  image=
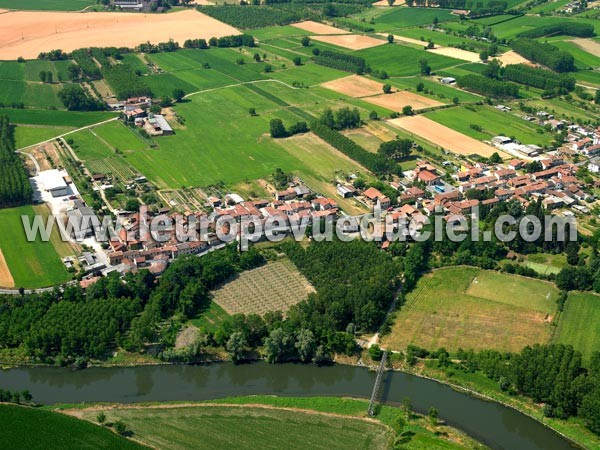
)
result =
(246, 427)
(492, 122)
(390, 19)
(55, 118)
(584, 58)
(434, 89)
(464, 307)
(26, 135)
(46, 5)
(35, 429)
(32, 264)
(276, 286)
(578, 323)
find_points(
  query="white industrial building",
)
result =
(54, 182)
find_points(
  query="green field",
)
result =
(55, 118)
(401, 60)
(26, 135)
(511, 28)
(583, 60)
(390, 19)
(462, 307)
(438, 91)
(211, 318)
(248, 428)
(46, 5)
(493, 122)
(578, 324)
(33, 429)
(88, 147)
(32, 264)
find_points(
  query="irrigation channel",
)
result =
(496, 425)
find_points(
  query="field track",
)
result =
(27, 33)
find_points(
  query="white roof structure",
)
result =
(52, 180)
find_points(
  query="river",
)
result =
(497, 426)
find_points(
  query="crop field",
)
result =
(55, 118)
(88, 147)
(578, 324)
(34, 429)
(493, 122)
(443, 136)
(400, 60)
(511, 28)
(584, 58)
(46, 5)
(464, 307)
(246, 427)
(275, 286)
(588, 77)
(32, 264)
(31, 94)
(318, 28)
(351, 41)
(112, 166)
(439, 38)
(119, 136)
(390, 19)
(44, 31)
(310, 74)
(398, 100)
(355, 86)
(26, 135)
(436, 90)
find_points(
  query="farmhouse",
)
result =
(157, 125)
(54, 182)
(374, 196)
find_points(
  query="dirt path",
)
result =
(6, 279)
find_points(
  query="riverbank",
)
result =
(391, 424)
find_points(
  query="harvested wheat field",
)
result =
(407, 40)
(351, 41)
(318, 28)
(26, 33)
(443, 136)
(275, 286)
(457, 53)
(6, 279)
(398, 100)
(588, 45)
(355, 86)
(511, 57)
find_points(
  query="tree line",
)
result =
(75, 98)
(372, 161)
(546, 54)
(538, 77)
(488, 86)
(341, 61)
(15, 189)
(560, 28)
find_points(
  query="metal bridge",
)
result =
(377, 386)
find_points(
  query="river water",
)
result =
(495, 425)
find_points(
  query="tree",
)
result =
(120, 427)
(166, 101)
(256, 57)
(74, 72)
(373, 115)
(178, 94)
(420, 87)
(297, 61)
(305, 41)
(49, 77)
(391, 2)
(495, 158)
(375, 352)
(484, 55)
(236, 345)
(597, 97)
(407, 110)
(278, 346)
(424, 67)
(590, 410)
(277, 129)
(492, 69)
(43, 76)
(390, 38)
(101, 417)
(397, 149)
(456, 100)
(433, 415)
(26, 395)
(305, 345)
(387, 88)
(252, 111)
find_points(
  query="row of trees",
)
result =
(373, 162)
(278, 130)
(560, 28)
(546, 54)
(75, 98)
(86, 64)
(488, 86)
(342, 119)
(537, 77)
(341, 61)
(14, 183)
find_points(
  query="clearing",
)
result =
(398, 100)
(276, 286)
(351, 41)
(318, 28)
(443, 136)
(355, 86)
(578, 324)
(26, 33)
(470, 308)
